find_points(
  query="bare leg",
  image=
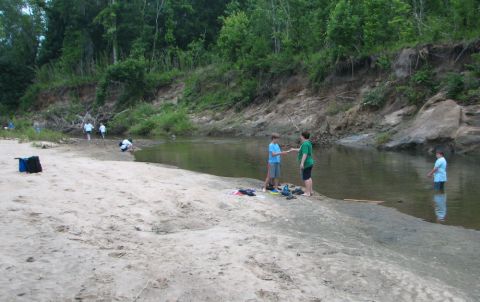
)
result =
(308, 187)
(267, 180)
(275, 183)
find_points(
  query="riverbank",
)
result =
(94, 229)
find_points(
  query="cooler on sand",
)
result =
(22, 164)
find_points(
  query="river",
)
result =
(397, 179)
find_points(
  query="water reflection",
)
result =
(342, 173)
(440, 204)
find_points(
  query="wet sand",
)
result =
(93, 229)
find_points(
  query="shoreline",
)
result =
(89, 228)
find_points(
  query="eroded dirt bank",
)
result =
(96, 230)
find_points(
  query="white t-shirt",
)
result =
(126, 144)
(88, 127)
(103, 129)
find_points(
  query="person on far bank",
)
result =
(88, 127)
(274, 153)
(306, 161)
(103, 130)
(439, 172)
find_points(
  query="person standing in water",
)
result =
(274, 153)
(306, 161)
(439, 172)
(88, 128)
(103, 130)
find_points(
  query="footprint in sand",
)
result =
(266, 295)
(20, 199)
(69, 190)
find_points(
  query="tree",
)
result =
(345, 28)
(234, 35)
(386, 21)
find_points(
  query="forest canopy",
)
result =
(49, 41)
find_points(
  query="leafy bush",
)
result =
(424, 77)
(131, 73)
(375, 98)
(146, 119)
(215, 87)
(383, 62)
(475, 66)
(455, 85)
(383, 138)
(27, 101)
(319, 67)
(464, 88)
(415, 96)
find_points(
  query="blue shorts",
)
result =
(274, 170)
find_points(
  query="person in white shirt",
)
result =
(126, 145)
(103, 130)
(88, 127)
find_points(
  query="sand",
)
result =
(90, 229)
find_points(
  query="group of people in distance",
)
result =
(305, 160)
(88, 129)
(125, 145)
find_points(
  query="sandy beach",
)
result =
(96, 226)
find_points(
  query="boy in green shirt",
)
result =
(306, 162)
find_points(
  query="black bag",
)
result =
(33, 165)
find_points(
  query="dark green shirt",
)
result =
(306, 148)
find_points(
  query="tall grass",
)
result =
(24, 131)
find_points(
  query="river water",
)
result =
(398, 179)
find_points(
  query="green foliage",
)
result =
(464, 88)
(424, 77)
(146, 120)
(27, 101)
(319, 66)
(383, 62)
(413, 95)
(214, 88)
(383, 138)
(233, 35)
(474, 67)
(136, 43)
(421, 85)
(344, 30)
(14, 80)
(375, 98)
(24, 131)
(455, 85)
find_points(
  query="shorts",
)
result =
(439, 186)
(274, 170)
(89, 132)
(307, 173)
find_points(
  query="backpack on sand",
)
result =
(33, 165)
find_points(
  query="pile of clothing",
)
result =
(286, 191)
(241, 192)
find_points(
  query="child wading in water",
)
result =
(439, 172)
(306, 161)
(274, 153)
